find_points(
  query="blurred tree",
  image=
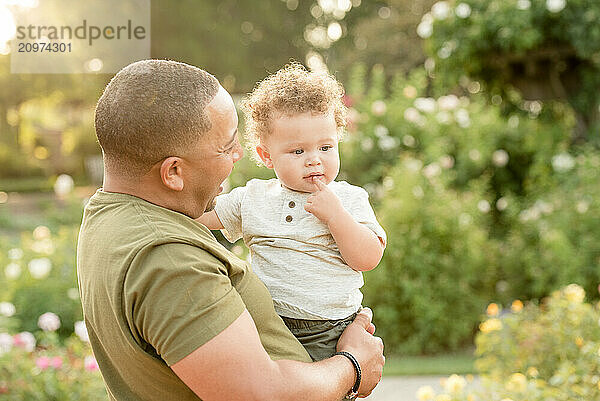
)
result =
(545, 49)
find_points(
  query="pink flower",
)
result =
(56, 362)
(24, 340)
(90, 364)
(43, 362)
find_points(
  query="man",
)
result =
(171, 314)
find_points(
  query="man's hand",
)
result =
(358, 340)
(323, 203)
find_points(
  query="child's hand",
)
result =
(323, 203)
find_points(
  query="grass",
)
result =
(447, 364)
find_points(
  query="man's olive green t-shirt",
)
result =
(155, 285)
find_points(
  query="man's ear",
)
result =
(264, 155)
(171, 173)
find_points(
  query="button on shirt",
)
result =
(292, 251)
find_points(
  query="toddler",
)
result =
(309, 236)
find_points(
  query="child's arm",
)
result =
(360, 247)
(210, 220)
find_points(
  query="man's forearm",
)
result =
(327, 380)
(360, 247)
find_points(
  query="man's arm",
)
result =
(210, 220)
(360, 247)
(234, 366)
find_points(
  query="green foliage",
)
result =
(39, 275)
(433, 282)
(526, 196)
(545, 49)
(537, 353)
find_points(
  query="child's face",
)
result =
(302, 148)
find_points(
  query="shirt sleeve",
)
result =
(177, 297)
(229, 211)
(362, 211)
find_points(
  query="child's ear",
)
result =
(264, 155)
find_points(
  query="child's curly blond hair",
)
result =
(291, 90)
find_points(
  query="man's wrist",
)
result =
(353, 393)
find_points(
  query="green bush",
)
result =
(434, 280)
(39, 275)
(537, 353)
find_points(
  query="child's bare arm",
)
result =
(360, 247)
(210, 220)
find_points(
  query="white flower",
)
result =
(523, 4)
(73, 293)
(574, 293)
(40, 268)
(500, 158)
(6, 343)
(366, 144)
(464, 219)
(12, 271)
(413, 164)
(555, 6)
(447, 161)
(417, 192)
(425, 393)
(425, 104)
(454, 384)
(425, 28)
(563, 162)
(462, 118)
(41, 232)
(15, 254)
(408, 140)
(501, 204)
(26, 340)
(43, 246)
(379, 107)
(440, 10)
(49, 322)
(387, 143)
(483, 206)
(381, 131)
(7, 309)
(432, 170)
(582, 207)
(81, 331)
(412, 115)
(463, 10)
(474, 155)
(448, 103)
(443, 117)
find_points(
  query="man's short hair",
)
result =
(150, 110)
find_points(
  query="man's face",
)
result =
(302, 148)
(210, 162)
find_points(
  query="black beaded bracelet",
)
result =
(354, 391)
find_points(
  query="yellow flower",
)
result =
(469, 378)
(454, 384)
(598, 385)
(443, 397)
(470, 397)
(516, 306)
(517, 383)
(574, 293)
(425, 393)
(579, 342)
(532, 371)
(492, 310)
(490, 325)
(507, 399)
